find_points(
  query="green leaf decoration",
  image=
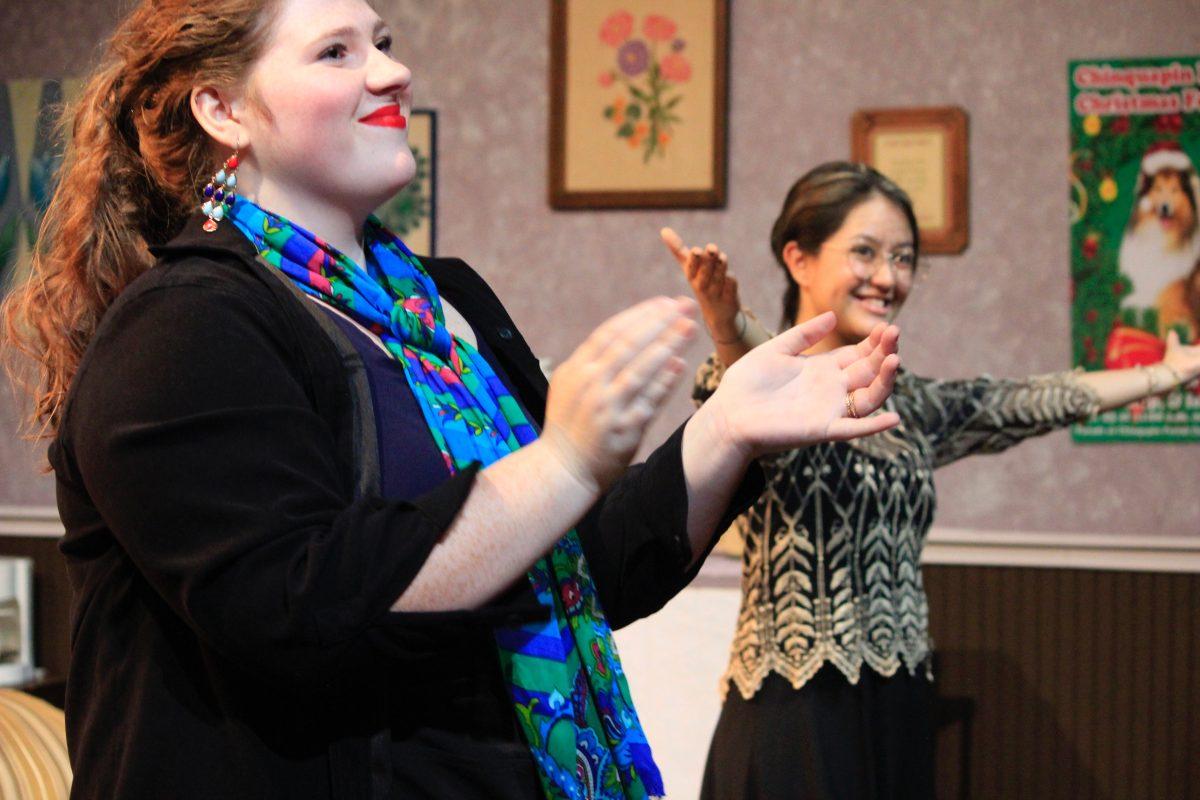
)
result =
(8, 250)
(43, 177)
(5, 177)
(406, 210)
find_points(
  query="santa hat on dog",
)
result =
(1166, 155)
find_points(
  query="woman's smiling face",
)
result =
(328, 105)
(859, 271)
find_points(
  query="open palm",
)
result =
(1183, 358)
(774, 398)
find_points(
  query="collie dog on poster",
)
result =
(1161, 246)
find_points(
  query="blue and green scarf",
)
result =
(564, 674)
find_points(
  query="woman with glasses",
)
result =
(831, 659)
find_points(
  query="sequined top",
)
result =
(830, 567)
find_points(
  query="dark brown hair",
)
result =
(135, 160)
(816, 207)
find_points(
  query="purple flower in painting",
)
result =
(678, 45)
(633, 57)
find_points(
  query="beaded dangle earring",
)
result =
(218, 194)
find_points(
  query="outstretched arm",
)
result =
(988, 415)
(1118, 387)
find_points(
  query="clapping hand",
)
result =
(707, 273)
(603, 397)
(774, 398)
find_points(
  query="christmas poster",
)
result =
(1135, 243)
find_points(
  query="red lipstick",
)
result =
(387, 117)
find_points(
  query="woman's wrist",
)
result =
(1176, 377)
(712, 433)
(1160, 378)
(729, 331)
(1181, 375)
(733, 330)
(561, 458)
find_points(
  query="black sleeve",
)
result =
(990, 415)
(193, 434)
(635, 538)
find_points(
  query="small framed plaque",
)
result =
(924, 150)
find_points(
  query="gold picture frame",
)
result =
(638, 103)
(924, 150)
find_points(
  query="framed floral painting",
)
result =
(638, 103)
(411, 213)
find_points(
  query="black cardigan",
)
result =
(232, 562)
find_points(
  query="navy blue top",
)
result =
(409, 461)
(478, 725)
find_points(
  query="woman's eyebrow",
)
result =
(869, 239)
(350, 30)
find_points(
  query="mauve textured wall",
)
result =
(799, 69)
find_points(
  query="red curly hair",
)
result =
(135, 160)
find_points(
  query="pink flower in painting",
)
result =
(658, 28)
(616, 28)
(606, 78)
(676, 68)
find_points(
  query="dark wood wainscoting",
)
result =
(1054, 683)
(1066, 683)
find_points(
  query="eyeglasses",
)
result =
(865, 260)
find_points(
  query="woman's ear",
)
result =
(799, 264)
(217, 113)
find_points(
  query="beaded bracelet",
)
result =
(1152, 387)
(1179, 381)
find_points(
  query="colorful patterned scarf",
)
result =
(564, 675)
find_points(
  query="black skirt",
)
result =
(829, 740)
